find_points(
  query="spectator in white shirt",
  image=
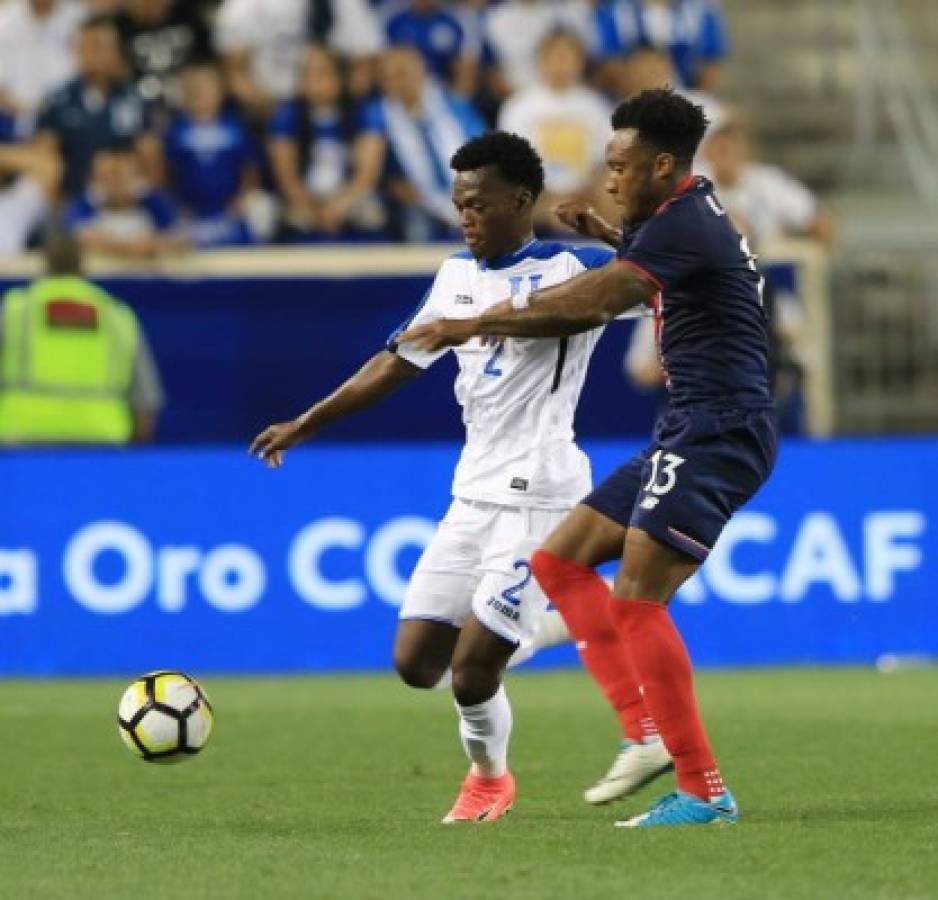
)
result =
(262, 43)
(565, 120)
(764, 201)
(516, 29)
(35, 58)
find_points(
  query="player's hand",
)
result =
(273, 442)
(439, 335)
(582, 217)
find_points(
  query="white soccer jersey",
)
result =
(519, 396)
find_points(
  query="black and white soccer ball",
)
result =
(165, 717)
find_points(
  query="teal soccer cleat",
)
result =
(679, 808)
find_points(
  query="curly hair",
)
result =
(665, 121)
(512, 156)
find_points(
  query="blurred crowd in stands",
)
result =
(148, 128)
(152, 126)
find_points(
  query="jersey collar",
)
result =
(508, 260)
(683, 186)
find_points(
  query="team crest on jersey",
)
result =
(463, 299)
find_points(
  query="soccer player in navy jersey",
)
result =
(713, 448)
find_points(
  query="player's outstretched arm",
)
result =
(383, 374)
(592, 299)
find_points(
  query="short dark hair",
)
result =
(664, 120)
(62, 251)
(512, 156)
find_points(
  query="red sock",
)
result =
(584, 599)
(661, 664)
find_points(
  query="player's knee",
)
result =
(638, 586)
(474, 683)
(416, 672)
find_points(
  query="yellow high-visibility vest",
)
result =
(66, 364)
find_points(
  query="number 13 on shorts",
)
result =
(663, 466)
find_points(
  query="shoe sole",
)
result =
(481, 820)
(634, 788)
(718, 823)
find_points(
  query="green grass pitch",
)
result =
(333, 788)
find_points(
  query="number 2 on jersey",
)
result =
(491, 365)
(511, 593)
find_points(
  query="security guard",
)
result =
(74, 365)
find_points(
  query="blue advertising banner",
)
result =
(237, 354)
(202, 559)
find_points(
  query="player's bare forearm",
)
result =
(588, 301)
(383, 374)
(611, 235)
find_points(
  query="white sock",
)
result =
(445, 682)
(485, 729)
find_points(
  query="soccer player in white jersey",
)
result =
(472, 601)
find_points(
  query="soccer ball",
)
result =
(165, 717)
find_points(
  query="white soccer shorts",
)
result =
(479, 562)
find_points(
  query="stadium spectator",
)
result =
(565, 120)
(161, 37)
(648, 68)
(440, 37)
(213, 165)
(692, 31)
(97, 109)
(410, 134)
(120, 215)
(516, 29)
(35, 59)
(764, 201)
(312, 148)
(28, 185)
(84, 373)
(262, 43)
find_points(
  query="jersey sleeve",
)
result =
(371, 119)
(284, 123)
(79, 214)
(592, 257)
(713, 44)
(161, 210)
(50, 114)
(670, 246)
(430, 308)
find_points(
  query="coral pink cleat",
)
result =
(482, 799)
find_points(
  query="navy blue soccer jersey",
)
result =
(709, 322)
